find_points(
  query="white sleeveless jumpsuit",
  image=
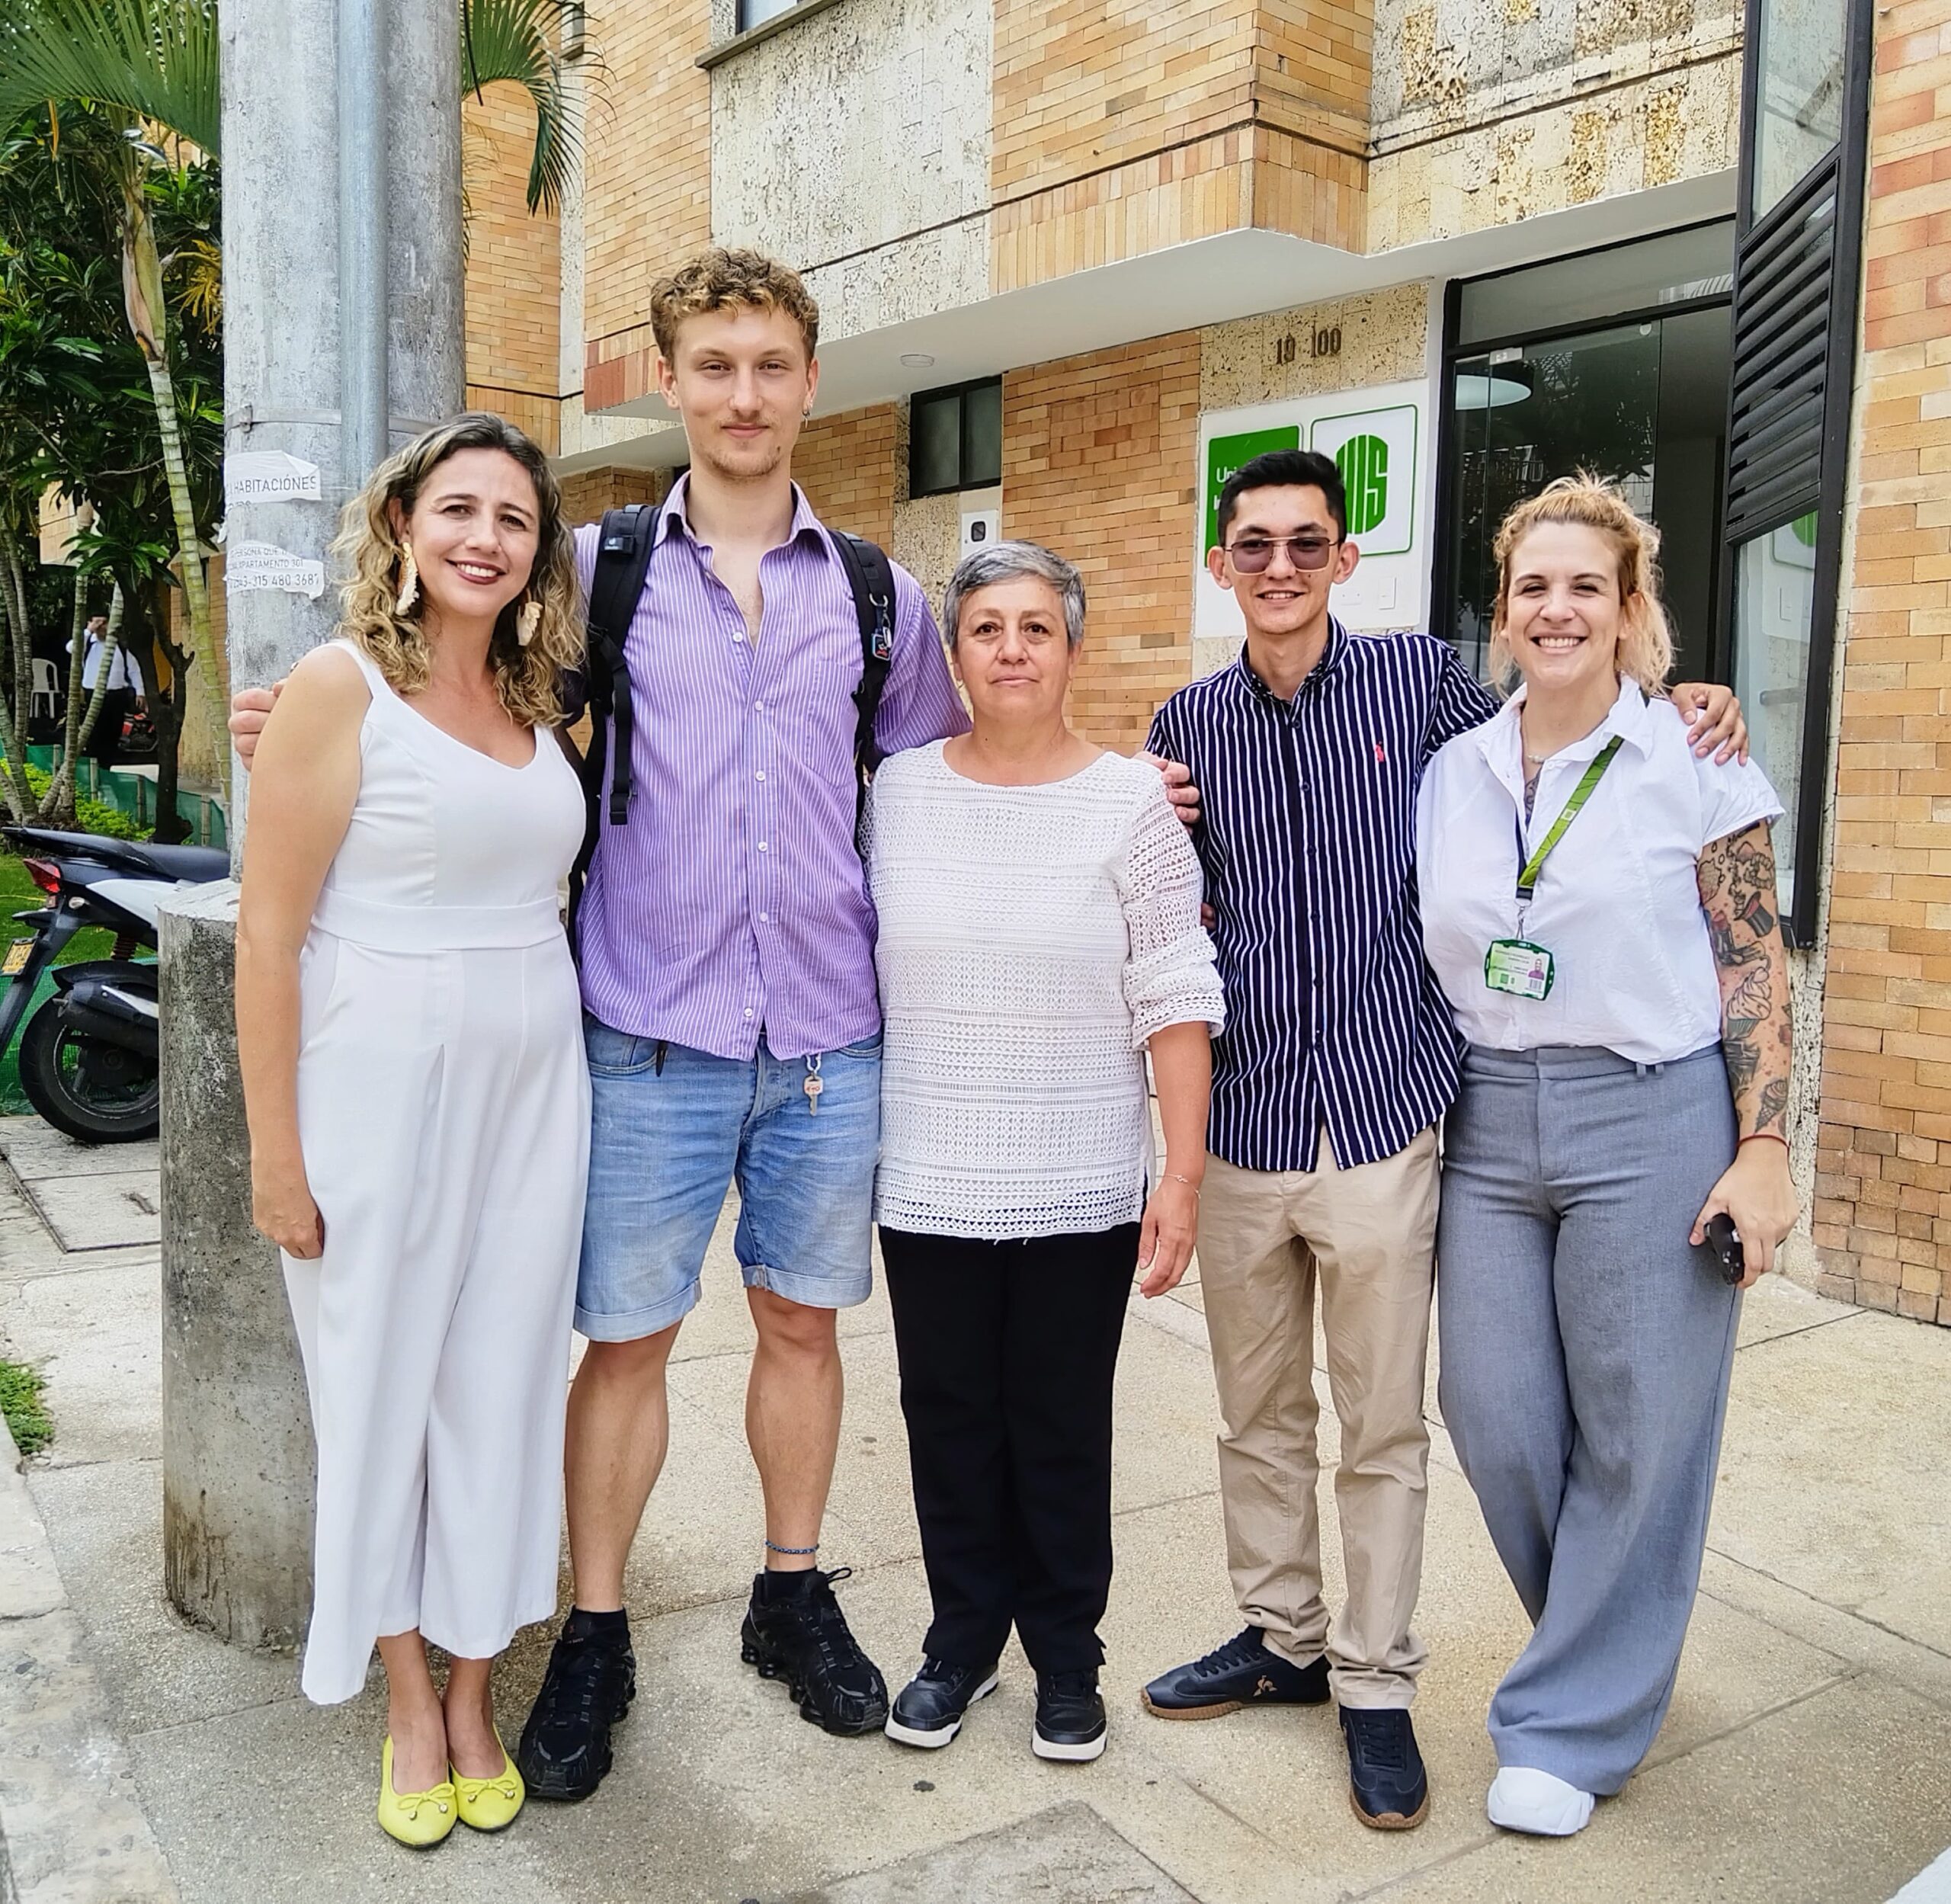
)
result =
(444, 1115)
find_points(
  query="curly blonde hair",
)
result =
(1588, 501)
(719, 280)
(528, 681)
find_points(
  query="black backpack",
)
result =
(623, 558)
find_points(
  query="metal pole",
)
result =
(362, 248)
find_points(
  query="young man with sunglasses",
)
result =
(1338, 1059)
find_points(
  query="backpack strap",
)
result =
(623, 544)
(870, 575)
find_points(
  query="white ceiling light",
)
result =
(918, 360)
(1474, 392)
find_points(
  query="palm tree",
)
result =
(151, 65)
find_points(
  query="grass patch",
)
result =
(19, 1402)
(18, 893)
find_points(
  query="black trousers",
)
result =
(1007, 1352)
(105, 743)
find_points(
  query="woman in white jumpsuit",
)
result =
(409, 1027)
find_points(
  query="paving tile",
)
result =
(1065, 1855)
(108, 1211)
(1812, 1418)
(75, 1829)
(1834, 1799)
(37, 1150)
(95, 1334)
(1775, 1307)
(105, 1524)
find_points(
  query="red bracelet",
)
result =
(1770, 1136)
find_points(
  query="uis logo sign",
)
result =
(1375, 452)
(1363, 462)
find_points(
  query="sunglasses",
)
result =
(1252, 554)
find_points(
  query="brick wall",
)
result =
(1098, 456)
(646, 164)
(1083, 86)
(1118, 130)
(513, 288)
(1882, 1212)
(846, 465)
(587, 493)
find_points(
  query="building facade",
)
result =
(1077, 259)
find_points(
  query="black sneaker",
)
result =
(1387, 1785)
(1070, 1716)
(927, 1711)
(1242, 1672)
(805, 1641)
(565, 1748)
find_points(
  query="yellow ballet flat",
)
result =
(420, 1819)
(490, 1804)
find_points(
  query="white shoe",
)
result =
(1522, 1800)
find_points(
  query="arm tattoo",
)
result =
(1737, 884)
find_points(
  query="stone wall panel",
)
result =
(874, 120)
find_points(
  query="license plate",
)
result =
(16, 960)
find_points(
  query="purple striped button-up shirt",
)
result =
(734, 902)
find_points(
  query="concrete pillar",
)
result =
(238, 1473)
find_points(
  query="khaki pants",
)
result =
(1370, 1232)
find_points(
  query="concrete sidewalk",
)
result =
(1808, 1755)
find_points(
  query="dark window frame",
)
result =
(1442, 544)
(963, 481)
(1849, 159)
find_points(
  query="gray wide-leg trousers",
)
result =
(1586, 1350)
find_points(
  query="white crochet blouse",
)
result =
(1032, 940)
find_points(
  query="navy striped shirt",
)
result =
(1308, 836)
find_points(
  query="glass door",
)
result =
(1643, 403)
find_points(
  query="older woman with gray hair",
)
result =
(1040, 933)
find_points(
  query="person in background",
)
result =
(407, 1028)
(120, 696)
(1599, 907)
(1039, 909)
(1338, 1059)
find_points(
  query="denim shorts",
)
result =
(666, 1143)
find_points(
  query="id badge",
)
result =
(1517, 966)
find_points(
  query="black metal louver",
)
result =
(1784, 308)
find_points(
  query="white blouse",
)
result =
(1032, 939)
(1618, 903)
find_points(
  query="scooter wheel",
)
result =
(89, 1089)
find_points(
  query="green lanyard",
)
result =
(1529, 870)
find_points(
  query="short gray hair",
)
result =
(1005, 562)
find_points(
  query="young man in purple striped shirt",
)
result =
(733, 1022)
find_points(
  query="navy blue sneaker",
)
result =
(1387, 1785)
(1242, 1673)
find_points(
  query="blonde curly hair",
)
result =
(528, 681)
(735, 280)
(1588, 501)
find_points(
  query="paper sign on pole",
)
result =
(269, 475)
(263, 565)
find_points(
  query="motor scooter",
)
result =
(88, 1056)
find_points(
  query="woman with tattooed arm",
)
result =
(1599, 907)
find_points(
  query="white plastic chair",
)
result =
(47, 688)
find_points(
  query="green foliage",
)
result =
(19, 1402)
(529, 42)
(91, 815)
(155, 59)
